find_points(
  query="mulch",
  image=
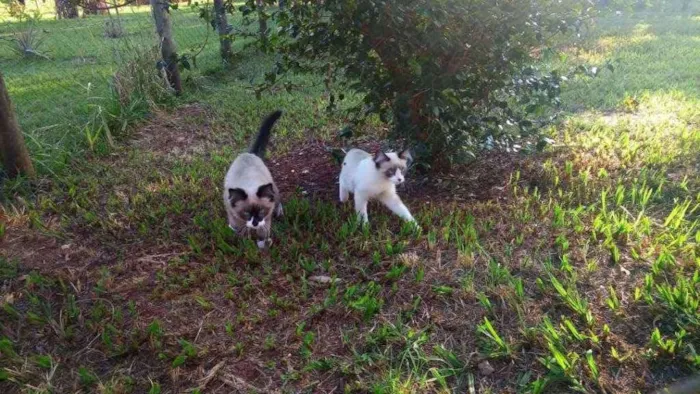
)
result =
(311, 169)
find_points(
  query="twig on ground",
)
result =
(212, 373)
(240, 384)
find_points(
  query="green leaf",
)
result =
(87, 377)
(179, 360)
(443, 290)
(185, 63)
(531, 109)
(155, 388)
(416, 68)
(346, 132)
(43, 361)
(592, 364)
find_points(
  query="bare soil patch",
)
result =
(179, 134)
(310, 167)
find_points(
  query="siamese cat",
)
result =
(251, 197)
(368, 177)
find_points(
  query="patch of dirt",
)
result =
(311, 168)
(179, 134)
(47, 253)
(484, 179)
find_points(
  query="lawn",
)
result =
(574, 269)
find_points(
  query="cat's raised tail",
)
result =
(263, 137)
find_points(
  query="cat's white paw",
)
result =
(264, 243)
(232, 228)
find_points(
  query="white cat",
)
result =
(368, 177)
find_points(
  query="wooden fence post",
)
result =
(15, 157)
(262, 21)
(161, 16)
(223, 30)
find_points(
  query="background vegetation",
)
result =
(571, 269)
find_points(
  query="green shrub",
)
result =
(454, 76)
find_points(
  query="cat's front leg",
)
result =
(361, 206)
(263, 235)
(344, 194)
(394, 203)
(264, 243)
(231, 221)
(279, 211)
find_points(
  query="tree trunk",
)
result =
(95, 7)
(15, 157)
(65, 9)
(223, 29)
(262, 21)
(161, 16)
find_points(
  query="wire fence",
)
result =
(57, 69)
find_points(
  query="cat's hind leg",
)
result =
(361, 206)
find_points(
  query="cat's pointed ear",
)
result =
(380, 157)
(236, 195)
(267, 191)
(406, 155)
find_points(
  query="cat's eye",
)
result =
(391, 172)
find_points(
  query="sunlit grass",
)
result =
(54, 98)
(651, 53)
(582, 276)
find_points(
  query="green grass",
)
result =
(57, 98)
(583, 275)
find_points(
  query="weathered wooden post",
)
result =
(15, 157)
(223, 30)
(161, 16)
(262, 21)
